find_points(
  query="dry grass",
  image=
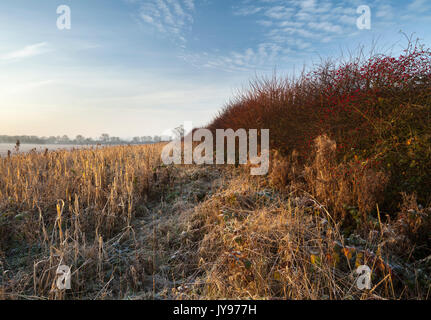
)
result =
(133, 229)
(104, 184)
(254, 242)
(345, 185)
(70, 208)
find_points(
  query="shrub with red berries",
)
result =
(377, 110)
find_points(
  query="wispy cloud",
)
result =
(282, 28)
(292, 27)
(246, 10)
(279, 12)
(307, 18)
(169, 17)
(417, 10)
(417, 5)
(26, 52)
(266, 55)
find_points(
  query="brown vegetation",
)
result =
(376, 110)
(193, 232)
(348, 185)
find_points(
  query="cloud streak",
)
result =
(26, 52)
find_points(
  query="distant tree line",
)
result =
(78, 140)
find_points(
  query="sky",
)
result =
(140, 67)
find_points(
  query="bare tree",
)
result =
(104, 138)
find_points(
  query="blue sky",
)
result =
(139, 67)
